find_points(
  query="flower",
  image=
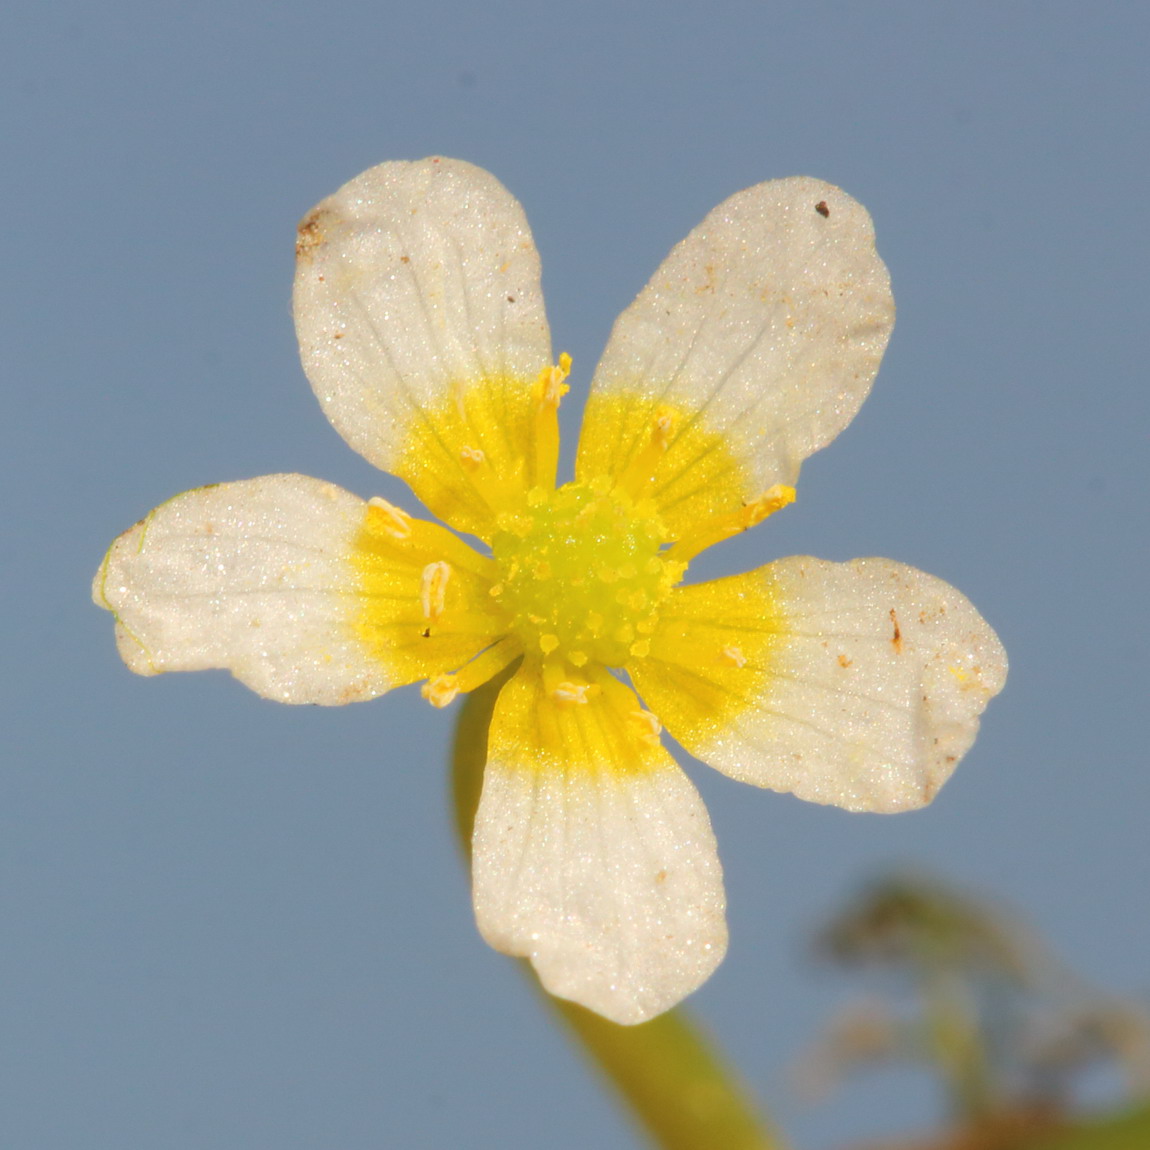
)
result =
(421, 325)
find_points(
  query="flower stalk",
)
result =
(675, 1084)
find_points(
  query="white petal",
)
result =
(254, 577)
(765, 326)
(603, 873)
(417, 283)
(862, 687)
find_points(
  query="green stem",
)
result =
(669, 1075)
(955, 1041)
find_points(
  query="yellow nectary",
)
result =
(581, 574)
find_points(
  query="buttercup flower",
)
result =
(421, 325)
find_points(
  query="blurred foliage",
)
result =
(975, 998)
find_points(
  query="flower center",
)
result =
(582, 574)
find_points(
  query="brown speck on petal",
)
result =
(310, 233)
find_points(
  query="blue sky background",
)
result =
(232, 924)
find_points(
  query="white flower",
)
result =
(422, 330)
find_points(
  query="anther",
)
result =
(723, 526)
(433, 590)
(771, 500)
(568, 692)
(440, 691)
(735, 656)
(397, 523)
(648, 724)
(548, 392)
(636, 477)
(664, 428)
(551, 386)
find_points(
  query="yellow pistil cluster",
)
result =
(582, 576)
(578, 575)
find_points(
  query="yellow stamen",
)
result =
(549, 392)
(720, 527)
(648, 724)
(568, 692)
(397, 523)
(736, 656)
(441, 690)
(564, 685)
(433, 590)
(636, 477)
